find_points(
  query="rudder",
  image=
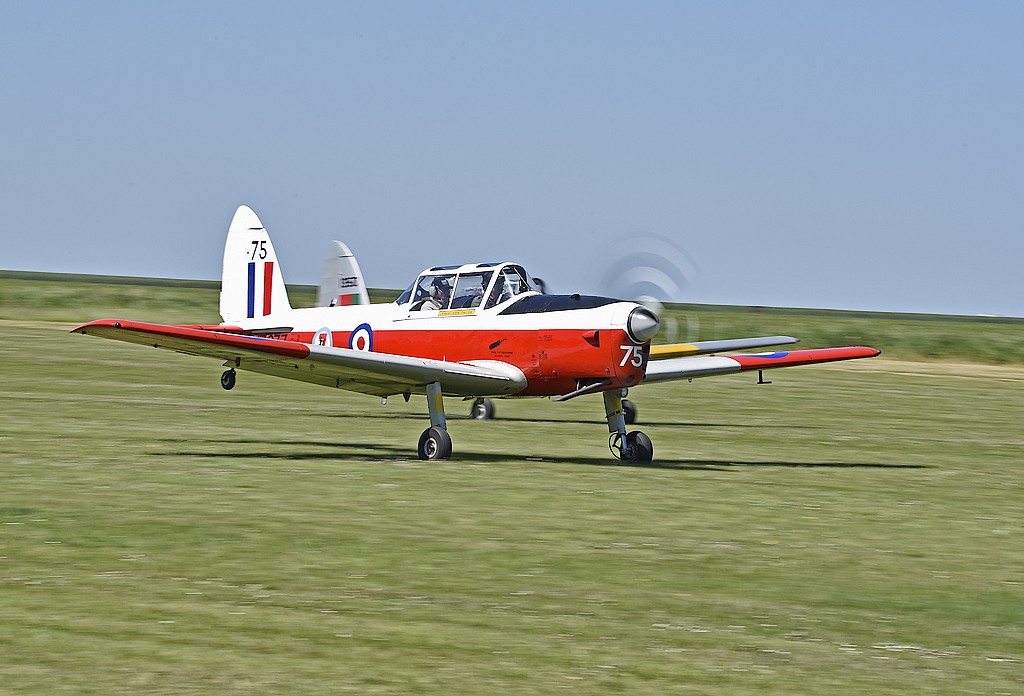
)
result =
(252, 285)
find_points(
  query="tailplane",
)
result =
(341, 283)
(251, 285)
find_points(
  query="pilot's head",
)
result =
(440, 290)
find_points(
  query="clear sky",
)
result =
(863, 155)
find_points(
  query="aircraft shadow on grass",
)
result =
(376, 452)
(520, 419)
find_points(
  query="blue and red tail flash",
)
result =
(268, 288)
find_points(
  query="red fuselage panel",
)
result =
(553, 360)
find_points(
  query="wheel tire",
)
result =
(435, 443)
(638, 448)
(227, 380)
(483, 409)
(629, 411)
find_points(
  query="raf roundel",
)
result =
(323, 338)
(361, 339)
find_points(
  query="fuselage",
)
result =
(560, 342)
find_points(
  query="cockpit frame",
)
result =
(467, 288)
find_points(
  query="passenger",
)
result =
(498, 293)
(477, 298)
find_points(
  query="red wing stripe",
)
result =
(790, 358)
(274, 346)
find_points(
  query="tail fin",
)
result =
(251, 285)
(341, 283)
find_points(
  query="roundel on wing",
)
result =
(361, 338)
(323, 338)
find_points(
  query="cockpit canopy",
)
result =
(476, 285)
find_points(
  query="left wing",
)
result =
(709, 365)
(679, 350)
(381, 374)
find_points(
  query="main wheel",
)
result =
(227, 380)
(483, 409)
(435, 443)
(629, 411)
(638, 447)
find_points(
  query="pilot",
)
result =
(440, 291)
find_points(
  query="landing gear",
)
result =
(227, 380)
(483, 409)
(629, 411)
(638, 448)
(435, 443)
(629, 447)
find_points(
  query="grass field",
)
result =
(853, 528)
(989, 340)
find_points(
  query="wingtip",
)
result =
(865, 351)
(82, 328)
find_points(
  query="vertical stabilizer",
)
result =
(341, 283)
(251, 285)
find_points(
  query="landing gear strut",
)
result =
(629, 411)
(227, 380)
(435, 443)
(629, 447)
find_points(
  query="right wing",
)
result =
(381, 374)
(710, 365)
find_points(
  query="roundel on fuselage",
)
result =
(323, 338)
(361, 338)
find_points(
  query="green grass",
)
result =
(852, 528)
(79, 298)
(986, 340)
(930, 337)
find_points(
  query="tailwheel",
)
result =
(435, 443)
(483, 409)
(227, 380)
(635, 447)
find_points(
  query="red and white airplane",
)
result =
(475, 331)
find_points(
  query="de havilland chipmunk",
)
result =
(476, 331)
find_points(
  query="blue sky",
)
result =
(860, 155)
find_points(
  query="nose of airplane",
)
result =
(642, 324)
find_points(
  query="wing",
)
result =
(678, 350)
(709, 365)
(381, 374)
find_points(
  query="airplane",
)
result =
(472, 331)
